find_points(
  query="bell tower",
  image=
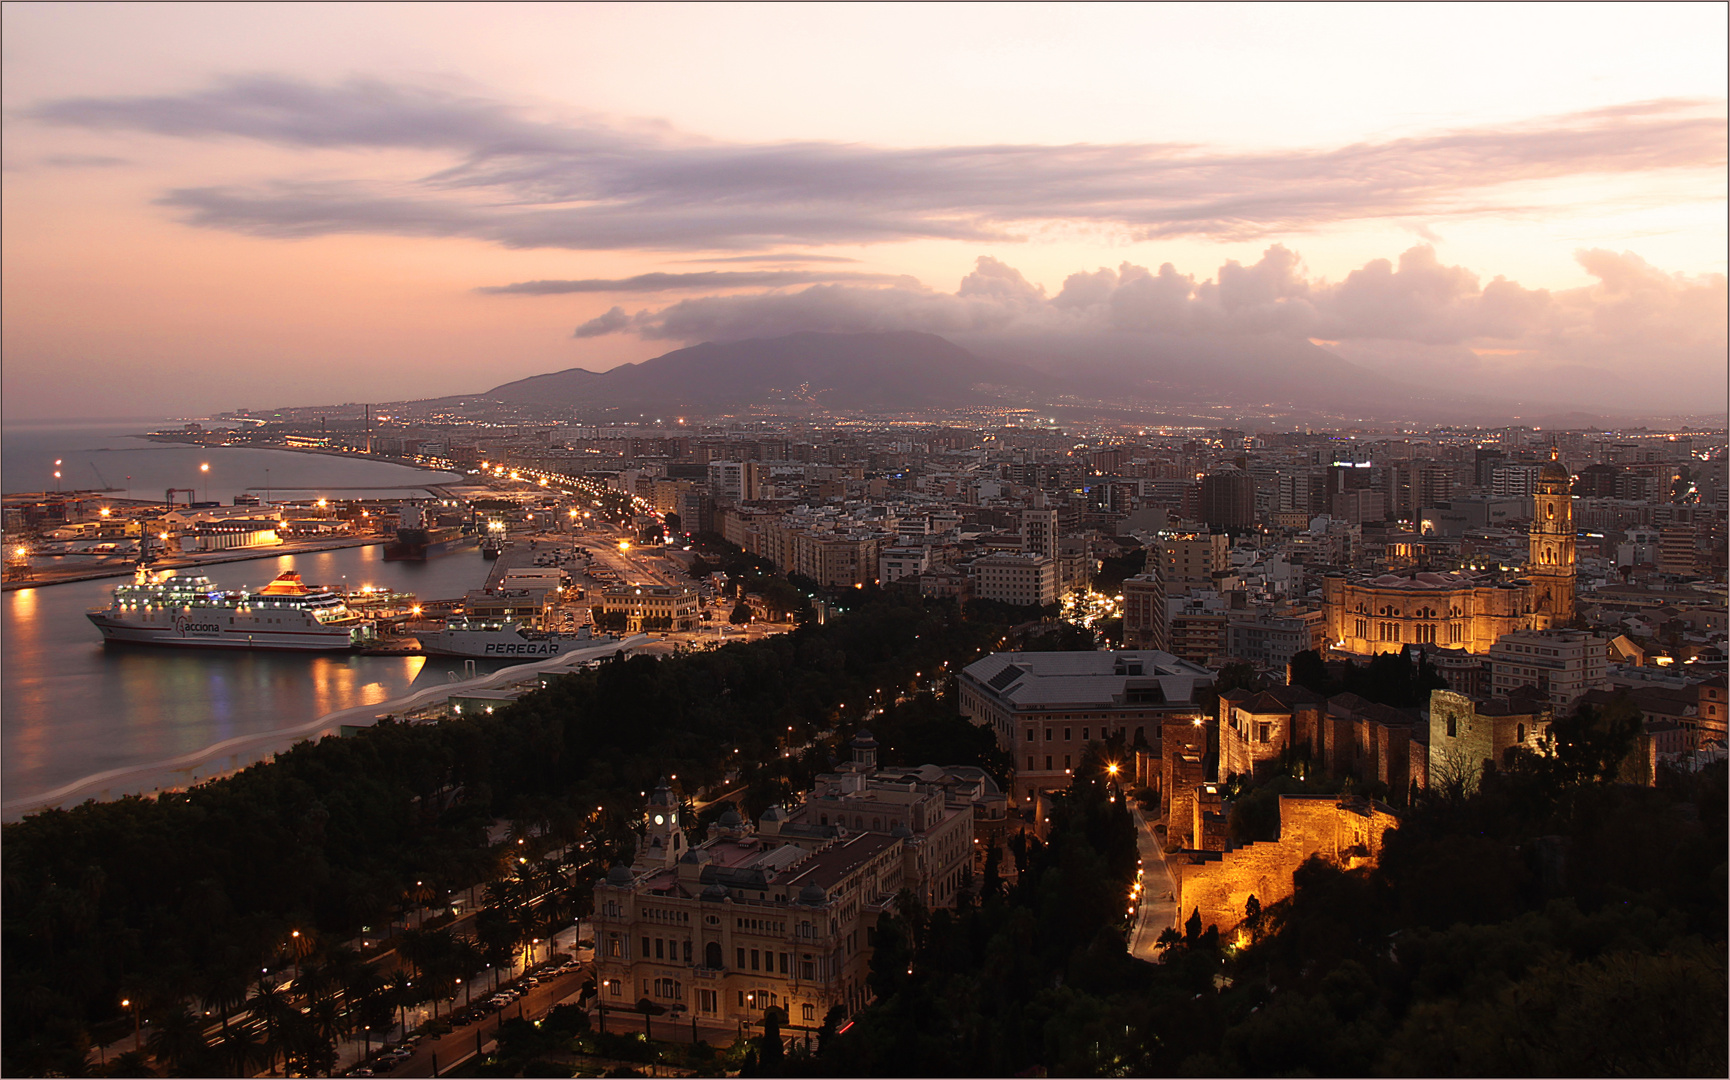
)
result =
(663, 839)
(1550, 557)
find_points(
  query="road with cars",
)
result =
(475, 1027)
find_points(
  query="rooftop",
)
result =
(1088, 679)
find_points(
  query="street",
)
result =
(1158, 907)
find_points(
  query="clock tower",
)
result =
(1550, 558)
(663, 839)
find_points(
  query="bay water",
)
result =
(71, 707)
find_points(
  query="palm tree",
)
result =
(177, 1041)
(401, 989)
(225, 985)
(418, 894)
(272, 1009)
(239, 1052)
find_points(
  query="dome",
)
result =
(620, 874)
(812, 894)
(774, 813)
(864, 739)
(714, 892)
(690, 856)
(1554, 472)
(730, 818)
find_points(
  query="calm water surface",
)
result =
(71, 707)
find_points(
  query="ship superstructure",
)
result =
(192, 610)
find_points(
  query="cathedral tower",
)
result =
(1550, 562)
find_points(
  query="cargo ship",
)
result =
(495, 640)
(417, 537)
(191, 610)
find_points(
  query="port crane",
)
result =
(190, 493)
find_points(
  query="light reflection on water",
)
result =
(71, 707)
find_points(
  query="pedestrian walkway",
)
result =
(1158, 908)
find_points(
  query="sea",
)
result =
(72, 707)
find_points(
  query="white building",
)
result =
(902, 562)
(1016, 579)
(1563, 664)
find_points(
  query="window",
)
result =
(1522, 735)
(1450, 725)
(659, 943)
(613, 946)
(706, 1001)
(1029, 762)
(712, 955)
(645, 953)
(687, 952)
(741, 959)
(1047, 762)
(1261, 732)
(617, 986)
(754, 959)
(1066, 761)
(1084, 735)
(1066, 732)
(808, 1012)
(807, 968)
(785, 963)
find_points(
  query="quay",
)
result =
(126, 567)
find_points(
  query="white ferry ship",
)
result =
(503, 640)
(189, 610)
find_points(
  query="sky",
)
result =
(205, 207)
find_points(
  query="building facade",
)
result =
(724, 930)
(1027, 580)
(1144, 612)
(1561, 665)
(652, 607)
(1045, 708)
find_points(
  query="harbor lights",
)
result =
(205, 470)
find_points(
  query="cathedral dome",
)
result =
(1554, 472)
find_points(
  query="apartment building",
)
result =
(1014, 578)
(1561, 664)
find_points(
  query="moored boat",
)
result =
(191, 610)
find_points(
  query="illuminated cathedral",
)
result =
(1465, 609)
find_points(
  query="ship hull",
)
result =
(409, 550)
(211, 631)
(501, 644)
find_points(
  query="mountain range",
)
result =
(907, 370)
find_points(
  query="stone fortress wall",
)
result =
(1218, 884)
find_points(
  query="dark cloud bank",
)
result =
(586, 184)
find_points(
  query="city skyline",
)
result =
(276, 205)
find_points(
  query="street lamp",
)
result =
(205, 469)
(137, 1036)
